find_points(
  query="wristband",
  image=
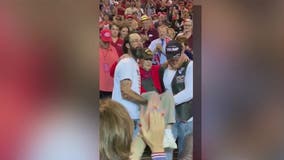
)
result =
(158, 155)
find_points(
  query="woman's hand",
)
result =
(153, 124)
(154, 135)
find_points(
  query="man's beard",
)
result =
(137, 52)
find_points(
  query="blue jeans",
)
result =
(180, 129)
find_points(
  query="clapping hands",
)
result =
(153, 124)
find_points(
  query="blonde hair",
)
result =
(171, 33)
(134, 25)
(116, 129)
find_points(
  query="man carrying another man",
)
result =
(127, 79)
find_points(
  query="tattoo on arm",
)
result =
(128, 94)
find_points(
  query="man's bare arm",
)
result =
(128, 94)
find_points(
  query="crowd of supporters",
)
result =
(145, 15)
(157, 22)
(145, 48)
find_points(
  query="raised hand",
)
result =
(159, 47)
(153, 124)
(154, 135)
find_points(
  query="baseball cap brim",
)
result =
(148, 54)
(106, 39)
(173, 55)
(144, 18)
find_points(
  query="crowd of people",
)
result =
(146, 50)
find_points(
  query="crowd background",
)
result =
(145, 15)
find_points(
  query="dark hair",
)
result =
(126, 41)
(124, 26)
(111, 17)
(115, 24)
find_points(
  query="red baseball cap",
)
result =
(105, 35)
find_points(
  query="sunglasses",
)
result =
(148, 59)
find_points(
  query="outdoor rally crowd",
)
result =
(146, 78)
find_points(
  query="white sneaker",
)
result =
(169, 140)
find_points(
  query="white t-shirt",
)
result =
(153, 46)
(186, 94)
(127, 68)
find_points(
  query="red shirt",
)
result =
(120, 11)
(107, 58)
(154, 74)
(118, 46)
(155, 77)
(112, 69)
